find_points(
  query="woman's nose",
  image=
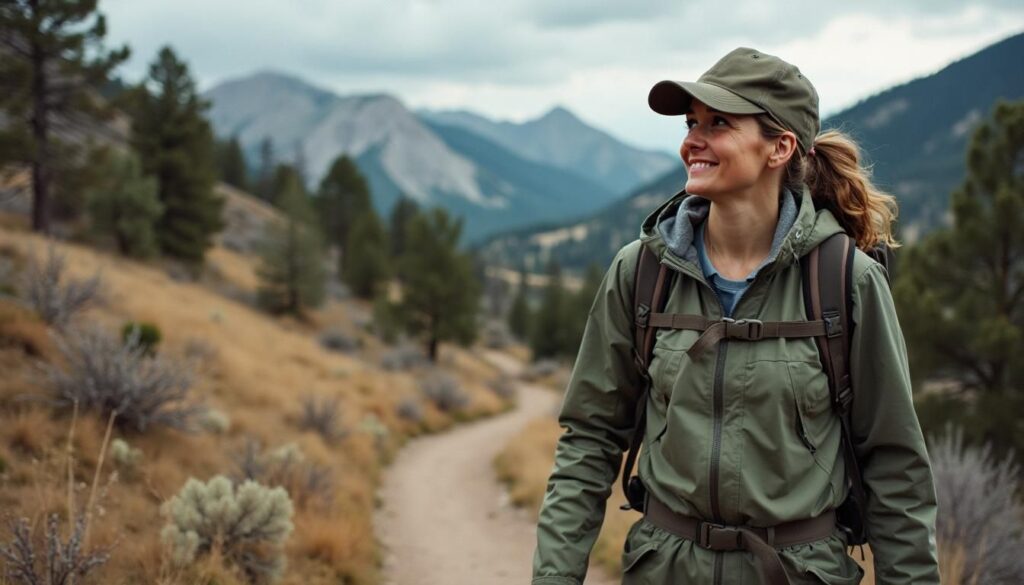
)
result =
(691, 143)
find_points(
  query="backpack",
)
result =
(828, 300)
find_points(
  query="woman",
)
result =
(741, 439)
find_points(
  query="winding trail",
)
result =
(445, 520)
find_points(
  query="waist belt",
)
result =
(761, 542)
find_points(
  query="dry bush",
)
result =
(411, 410)
(324, 417)
(402, 358)
(64, 563)
(106, 374)
(56, 299)
(306, 481)
(247, 525)
(504, 387)
(980, 527)
(444, 391)
(338, 340)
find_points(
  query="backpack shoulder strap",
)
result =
(649, 287)
(828, 296)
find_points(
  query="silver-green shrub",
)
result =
(249, 525)
(979, 509)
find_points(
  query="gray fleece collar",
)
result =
(678, 230)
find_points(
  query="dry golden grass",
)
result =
(257, 372)
(525, 464)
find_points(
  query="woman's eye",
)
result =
(720, 120)
(691, 123)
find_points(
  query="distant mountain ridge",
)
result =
(915, 136)
(488, 184)
(561, 139)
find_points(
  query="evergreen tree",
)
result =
(292, 258)
(264, 182)
(549, 328)
(175, 142)
(401, 212)
(125, 206)
(960, 291)
(285, 177)
(53, 61)
(365, 260)
(300, 165)
(439, 294)
(342, 197)
(233, 169)
(519, 313)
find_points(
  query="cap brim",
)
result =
(673, 98)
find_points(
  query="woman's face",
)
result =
(723, 153)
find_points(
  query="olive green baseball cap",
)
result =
(747, 81)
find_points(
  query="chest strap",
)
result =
(763, 543)
(745, 329)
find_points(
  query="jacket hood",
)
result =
(810, 228)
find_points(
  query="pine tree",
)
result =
(175, 142)
(52, 63)
(125, 206)
(285, 177)
(233, 169)
(960, 291)
(342, 197)
(548, 331)
(265, 173)
(292, 258)
(365, 261)
(401, 212)
(439, 294)
(519, 313)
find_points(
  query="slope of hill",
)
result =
(255, 371)
(561, 139)
(915, 135)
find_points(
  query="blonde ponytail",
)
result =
(838, 182)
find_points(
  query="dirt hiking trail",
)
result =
(445, 520)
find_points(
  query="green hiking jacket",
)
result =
(743, 434)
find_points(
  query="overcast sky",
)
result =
(516, 59)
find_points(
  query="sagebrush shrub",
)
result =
(324, 417)
(55, 298)
(104, 374)
(248, 525)
(443, 390)
(410, 410)
(980, 519)
(55, 562)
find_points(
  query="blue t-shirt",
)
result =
(728, 291)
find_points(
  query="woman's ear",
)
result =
(784, 149)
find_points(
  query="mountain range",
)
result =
(914, 136)
(496, 175)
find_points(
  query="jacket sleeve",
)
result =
(597, 415)
(897, 474)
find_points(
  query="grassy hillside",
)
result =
(256, 371)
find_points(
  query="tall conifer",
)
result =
(52, 63)
(175, 143)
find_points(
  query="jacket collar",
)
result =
(683, 212)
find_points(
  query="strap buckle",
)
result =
(833, 324)
(745, 329)
(719, 537)
(643, 315)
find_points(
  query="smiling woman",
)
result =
(756, 465)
